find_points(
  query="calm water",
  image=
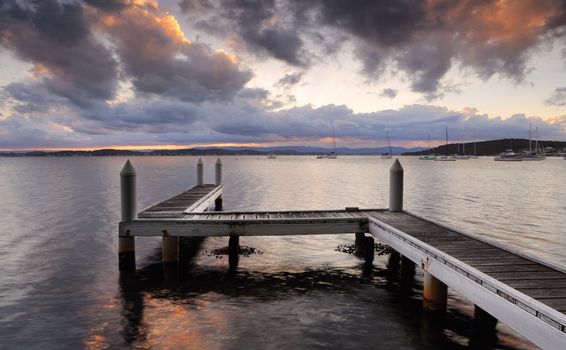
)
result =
(60, 288)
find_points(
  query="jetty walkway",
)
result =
(527, 294)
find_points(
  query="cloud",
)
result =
(259, 25)
(124, 70)
(289, 80)
(558, 98)
(421, 39)
(246, 119)
(83, 50)
(389, 93)
(166, 63)
(56, 38)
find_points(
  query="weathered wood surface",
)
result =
(187, 200)
(250, 223)
(531, 278)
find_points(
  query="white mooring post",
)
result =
(218, 172)
(396, 187)
(218, 182)
(200, 172)
(128, 199)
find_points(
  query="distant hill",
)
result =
(488, 148)
(281, 150)
(483, 148)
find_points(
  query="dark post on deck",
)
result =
(396, 187)
(128, 200)
(218, 182)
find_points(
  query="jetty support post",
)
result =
(200, 173)
(128, 203)
(435, 294)
(484, 333)
(218, 182)
(233, 252)
(170, 249)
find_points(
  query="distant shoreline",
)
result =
(483, 148)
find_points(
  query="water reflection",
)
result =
(186, 309)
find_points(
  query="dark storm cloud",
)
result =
(257, 94)
(289, 80)
(422, 39)
(256, 24)
(558, 98)
(155, 117)
(28, 97)
(167, 64)
(56, 39)
(172, 121)
(108, 5)
(389, 93)
(69, 61)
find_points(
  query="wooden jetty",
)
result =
(527, 294)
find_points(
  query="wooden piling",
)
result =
(484, 329)
(396, 187)
(234, 245)
(170, 249)
(128, 202)
(435, 294)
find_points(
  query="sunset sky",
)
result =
(182, 73)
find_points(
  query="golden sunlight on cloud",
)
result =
(512, 22)
(144, 18)
(170, 26)
(232, 58)
(150, 3)
(39, 69)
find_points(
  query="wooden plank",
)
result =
(191, 228)
(544, 293)
(506, 261)
(527, 283)
(206, 200)
(533, 267)
(558, 304)
(543, 275)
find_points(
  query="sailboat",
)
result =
(332, 154)
(535, 154)
(475, 155)
(445, 157)
(428, 156)
(271, 156)
(462, 156)
(389, 153)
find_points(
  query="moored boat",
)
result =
(508, 156)
(389, 154)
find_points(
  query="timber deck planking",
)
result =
(531, 278)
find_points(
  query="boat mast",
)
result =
(333, 141)
(388, 142)
(530, 140)
(536, 141)
(446, 147)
